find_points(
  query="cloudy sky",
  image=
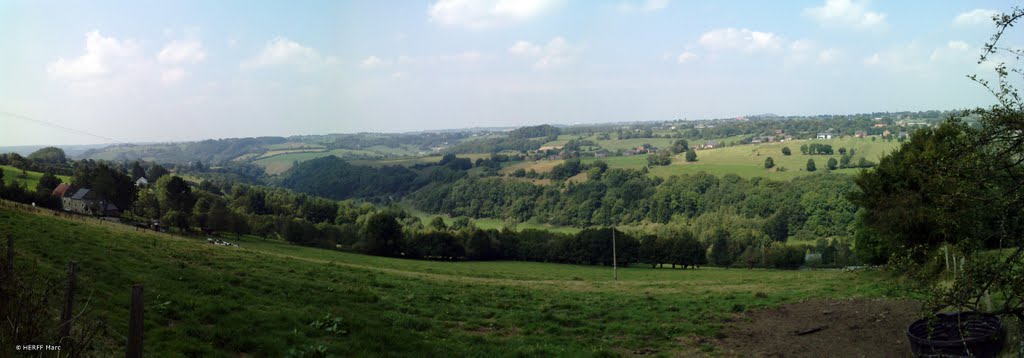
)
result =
(144, 71)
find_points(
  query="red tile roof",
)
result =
(61, 190)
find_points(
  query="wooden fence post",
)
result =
(69, 300)
(135, 323)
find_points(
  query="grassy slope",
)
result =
(12, 174)
(261, 298)
(748, 160)
(743, 160)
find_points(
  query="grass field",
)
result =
(490, 223)
(748, 160)
(264, 298)
(281, 162)
(31, 179)
(743, 160)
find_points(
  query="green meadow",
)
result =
(269, 298)
(30, 180)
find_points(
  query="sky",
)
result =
(86, 72)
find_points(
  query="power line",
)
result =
(54, 125)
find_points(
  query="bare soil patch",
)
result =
(859, 327)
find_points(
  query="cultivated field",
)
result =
(268, 298)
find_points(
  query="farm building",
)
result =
(711, 144)
(860, 134)
(825, 135)
(89, 202)
(61, 190)
(142, 182)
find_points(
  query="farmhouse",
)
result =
(601, 153)
(825, 135)
(61, 190)
(86, 201)
(142, 182)
(711, 144)
(860, 134)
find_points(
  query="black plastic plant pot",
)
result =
(957, 334)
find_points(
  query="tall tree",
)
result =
(383, 234)
(769, 163)
(174, 193)
(47, 182)
(691, 155)
(155, 172)
(810, 165)
(138, 171)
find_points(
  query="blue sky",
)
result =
(185, 70)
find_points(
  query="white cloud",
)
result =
(103, 55)
(847, 13)
(524, 48)
(910, 58)
(739, 39)
(284, 52)
(468, 56)
(373, 62)
(686, 57)
(479, 14)
(398, 75)
(801, 45)
(805, 51)
(954, 51)
(461, 57)
(975, 17)
(557, 52)
(182, 52)
(874, 59)
(643, 6)
(172, 75)
(828, 55)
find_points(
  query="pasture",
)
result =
(269, 298)
(743, 160)
(30, 180)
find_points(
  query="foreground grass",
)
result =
(261, 298)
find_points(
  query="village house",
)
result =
(601, 153)
(879, 125)
(142, 182)
(711, 144)
(825, 135)
(860, 134)
(84, 201)
(886, 133)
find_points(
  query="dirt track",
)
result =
(848, 328)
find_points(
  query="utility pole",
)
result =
(615, 261)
